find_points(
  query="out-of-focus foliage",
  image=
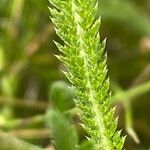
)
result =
(61, 95)
(65, 136)
(28, 67)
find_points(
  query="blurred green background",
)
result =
(28, 67)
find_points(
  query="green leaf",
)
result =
(65, 136)
(86, 146)
(83, 55)
(61, 95)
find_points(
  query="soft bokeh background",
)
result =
(28, 67)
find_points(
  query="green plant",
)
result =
(64, 134)
(76, 24)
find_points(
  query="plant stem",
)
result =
(8, 142)
(23, 103)
(131, 93)
(30, 133)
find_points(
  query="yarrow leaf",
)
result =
(76, 24)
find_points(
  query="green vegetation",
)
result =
(87, 71)
(37, 100)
